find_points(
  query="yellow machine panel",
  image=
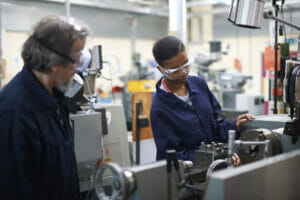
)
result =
(141, 85)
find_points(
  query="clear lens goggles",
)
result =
(80, 61)
(170, 71)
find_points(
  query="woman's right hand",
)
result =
(236, 161)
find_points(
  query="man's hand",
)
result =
(242, 119)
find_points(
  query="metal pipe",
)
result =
(90, 97)
(286, 22)
(276, 57)
(266, 143)
(139, 106)
(68, 10)
(268, 14)
(231, 137)
(181, 24)
(241, 143)
(133, 28)
(266, 153)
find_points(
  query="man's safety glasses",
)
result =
(80, 60)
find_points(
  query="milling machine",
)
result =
(173, 179)
(267, 147)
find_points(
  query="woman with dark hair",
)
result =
(184, 112)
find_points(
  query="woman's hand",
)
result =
(236, 161)
(242, 119)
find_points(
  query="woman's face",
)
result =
(177, 68)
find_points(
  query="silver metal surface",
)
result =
(262, 145)
(122, 185)
(272, 122)
(88, 138)
(246, 13)
(275, 178)
(89, 149)
(116, 141)
(286, 141)
(254, 135)
(147, 182)
(216, 165)
(152, 181)
(264, 179)
(267, 121)
(231, 137)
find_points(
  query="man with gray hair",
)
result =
(36, 137)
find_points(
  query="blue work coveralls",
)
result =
(36, 143)
(177, 125)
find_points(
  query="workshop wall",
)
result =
(112, 29)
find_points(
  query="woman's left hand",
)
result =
(242, 119)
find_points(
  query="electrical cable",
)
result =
(89, 189)
(93, 173)
(111, 84)
(217, 163)
(108, 79)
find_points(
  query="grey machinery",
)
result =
(274, 177)
(96, 145)
(88, 140)
(143, 182)
(277, 177)
(100, 129)
(256, 180)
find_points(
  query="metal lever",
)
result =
(171, 158)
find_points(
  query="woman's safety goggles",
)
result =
(180, 68)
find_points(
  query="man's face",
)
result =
(64, 76)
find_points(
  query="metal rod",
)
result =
(134, 56)
(285, 22)
(276, 57)
(68, 10)
(90, 97)
(231, 137)
(138, 107)
(181, 20)
(266, 152)
(241, 143)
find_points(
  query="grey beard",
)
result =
(63, 87)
